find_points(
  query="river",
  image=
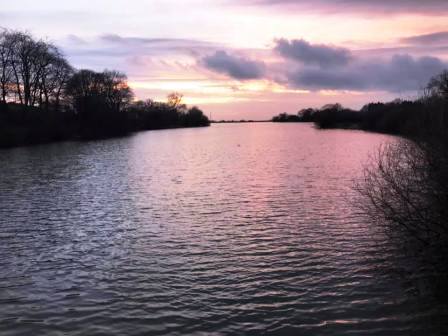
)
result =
(234, 229)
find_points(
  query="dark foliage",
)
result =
(43, 99)
(333, 115)
(149, 115)
(19, 126)
(284, 117)
(396, 117)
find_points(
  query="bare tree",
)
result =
(116, 90)
(405, 184)
(24, 48)
(174, 100)
(35, 69)
(6, 72)
(438, 85)
(54, 77)
(403, 192)
(106, 91)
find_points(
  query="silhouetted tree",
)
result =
(31, 72)
(156, 115)
(99, 98)
(54, 79)
(285, 117)
(438, 86)
(307, 115)
(92, 91)
(194, 117)
(27, 64)
(335, 115)
(6, 58)
(174, 100)
(37, 84)
(405, 184)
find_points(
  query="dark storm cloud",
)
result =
(233, 66)
(398, 74)
(317, 54)
(436, 7)
(433, 38)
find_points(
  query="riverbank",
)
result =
(397, 117)
(404, 183)
(63, 103)
(33, 125)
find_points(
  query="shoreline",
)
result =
(80, 139)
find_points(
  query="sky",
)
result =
(249, 59)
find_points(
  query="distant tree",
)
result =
(92, 92)
(32, 72)
(98, 99)
(334, 115)
(438, 86)
(6, 58)
(195, 117)
(27, 64)
(54, 79)
(285, 117)
(306, 115)
(333, 107)
(174, 100)
(155, 115)
(83, 90)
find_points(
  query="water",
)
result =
(241, 229)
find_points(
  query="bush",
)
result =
(405, 184)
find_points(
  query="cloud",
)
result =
(115, 45)
(435, 7)
(146, 42)
(313, 54)
(136, 56)
(401, 73)
(75, 39)
(432, 39)
(113, 48)
(233, 66)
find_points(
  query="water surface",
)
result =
(240, 229)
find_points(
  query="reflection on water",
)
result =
(232, 229)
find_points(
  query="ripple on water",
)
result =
(230, 230)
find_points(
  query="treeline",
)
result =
(43, 98)
(329, 116)
(402, 117)
(232, 121)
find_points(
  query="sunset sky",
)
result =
(250, 58)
